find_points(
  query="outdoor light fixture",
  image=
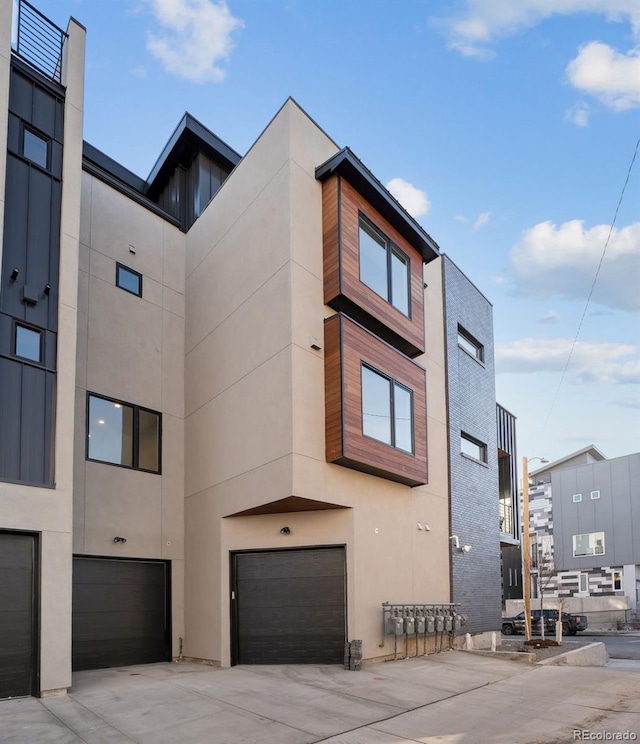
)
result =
(457, 546)
(120, 540)
(14, 273)
(285, 531)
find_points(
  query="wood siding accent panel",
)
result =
(357, 451)
(330, 237)
(333, 387)
(342, 205)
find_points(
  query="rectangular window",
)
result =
(473, 448)
(471, 345)
(123, 434)
(387, 410)
(577, 497)
(35, 148)
(590, 543)
(129, 280)
(28, 343)
(384, 268)
(595, 494)
(583, 583)
(617, 580)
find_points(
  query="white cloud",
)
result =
(579, 114)
(592, 362)
(139, 71)
(482, 22)
(549, 318)
(633, 403)
(562, 261)
(415, 201)
(195, 37)
(483, 218)
(611, 77)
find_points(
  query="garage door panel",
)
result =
(17, 592)
(266, 650)
(290, 606)
(284, 565)
(120, 612)
(122, 652)
(17, 614)
(296, 591)
(105, 597)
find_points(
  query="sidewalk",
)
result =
(451, 698)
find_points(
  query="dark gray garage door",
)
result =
(289, 606)
(120, 612)
(17, 614)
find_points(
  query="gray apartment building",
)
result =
(585, 526)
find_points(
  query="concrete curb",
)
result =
(595, 654)
(524, 657)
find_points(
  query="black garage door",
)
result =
(120, 612)
(289, 606)
(17, 614)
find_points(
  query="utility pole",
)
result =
(526, 548)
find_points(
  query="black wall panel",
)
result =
(31, 244)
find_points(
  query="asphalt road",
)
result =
(619, 647)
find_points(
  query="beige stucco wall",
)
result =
(132, 349)
(255, 404)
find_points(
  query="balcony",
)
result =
(37, 40)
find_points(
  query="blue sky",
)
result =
(509, 128)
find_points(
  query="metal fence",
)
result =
(39, 41)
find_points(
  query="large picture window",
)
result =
(383, 266)
(123, 434)
(387, 410)
(590, 543)
(473, 447)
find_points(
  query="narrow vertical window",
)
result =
(373, 260)
(617, 580)
(400, 282)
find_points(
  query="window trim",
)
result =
(473, 341)
(390, 249)
(582, 576)
(392, 384)
(593, 498)
(588, 555)
(120, 266)
(478, 443)
(135, 434)
(577, 498)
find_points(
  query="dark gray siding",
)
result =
(29, 277)
(475, 576)
(616, 512)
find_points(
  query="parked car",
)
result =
(571, 624)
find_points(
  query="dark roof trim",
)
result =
(110, 179)
(346, 164)
(189, 137)
(113, 168)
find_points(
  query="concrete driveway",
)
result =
(451, 698)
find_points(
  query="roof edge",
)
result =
(347, 164)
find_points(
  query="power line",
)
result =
(593, 284)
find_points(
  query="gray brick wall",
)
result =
(476, 582)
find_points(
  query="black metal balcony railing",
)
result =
(506, 517)
(39, 41)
